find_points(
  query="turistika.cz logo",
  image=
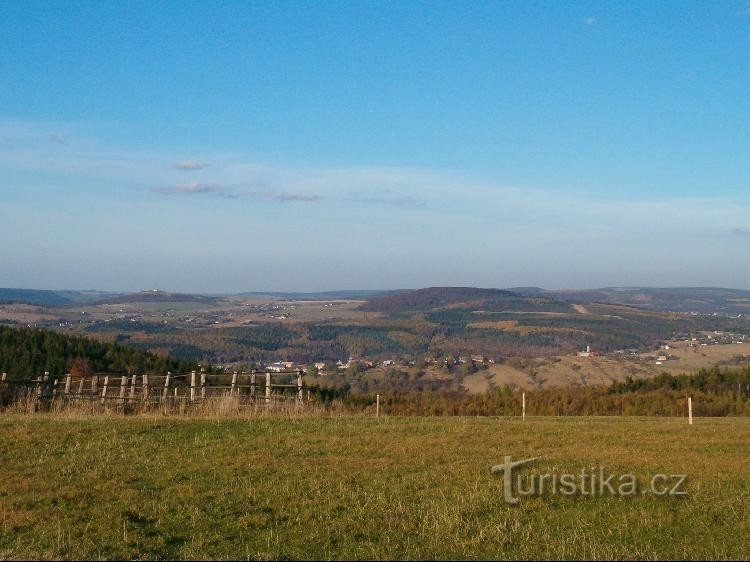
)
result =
(595, 481)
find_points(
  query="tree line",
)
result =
(28, 352)
(715, 392)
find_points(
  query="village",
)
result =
(665, 353)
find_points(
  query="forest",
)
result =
(26, 353)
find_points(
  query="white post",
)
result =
(192, 386)
(104, 389)
(523, 406)
(234, 384)
(377, 405)
(690, 410)
(123, 386)
(166, 386)
(268, 387)
(67, 384)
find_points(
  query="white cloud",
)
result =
(589, 20)
(190, 165)
(194, 188)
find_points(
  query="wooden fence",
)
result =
(191, 388)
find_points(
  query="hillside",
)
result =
(703, 300)
(434, 298)
(49, 298)
(159, 296)
(26, 353)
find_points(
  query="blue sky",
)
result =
(206, 146)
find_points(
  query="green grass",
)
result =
(113, 487)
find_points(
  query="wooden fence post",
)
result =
(5, 375)
(67, 385)
(123, 386)
(268, 387)
(523, 406)
(234, 383)
(38, 387)
(377, 405)
(300, 396)
(44, 389)
(80, 388)
(144, 379)
(54, 388)
(252, 384)
(94, 386)
(192, 386)
(166, 387)
(203, 385)
(690, 410)
(133, 382)
(104, 388)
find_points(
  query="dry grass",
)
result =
(339, 487)
(512, 326)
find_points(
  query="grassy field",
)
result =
(348, 487)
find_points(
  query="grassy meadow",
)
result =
(355, 487)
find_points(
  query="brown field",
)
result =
(571, 370)
(512, 326)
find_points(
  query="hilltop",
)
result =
(435, 298)
(703, 300)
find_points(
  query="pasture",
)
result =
(73, 486)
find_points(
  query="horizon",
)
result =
(379, 290)
(220, 148)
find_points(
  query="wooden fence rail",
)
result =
(155, 388)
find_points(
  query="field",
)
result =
(356, 487)
(570, 370)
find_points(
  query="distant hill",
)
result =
(363, 294)
(471, 297)
(50, 298)
(159, 296)
(705, 300)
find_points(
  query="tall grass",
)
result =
(219, 407)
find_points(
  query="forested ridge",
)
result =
(28, 352)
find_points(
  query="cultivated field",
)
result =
(341, 487)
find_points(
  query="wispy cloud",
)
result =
(286, 196)
(190, 165)
(235, 191)
(58, 138)
(590, 20)
(195, 188)
(387, 198)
